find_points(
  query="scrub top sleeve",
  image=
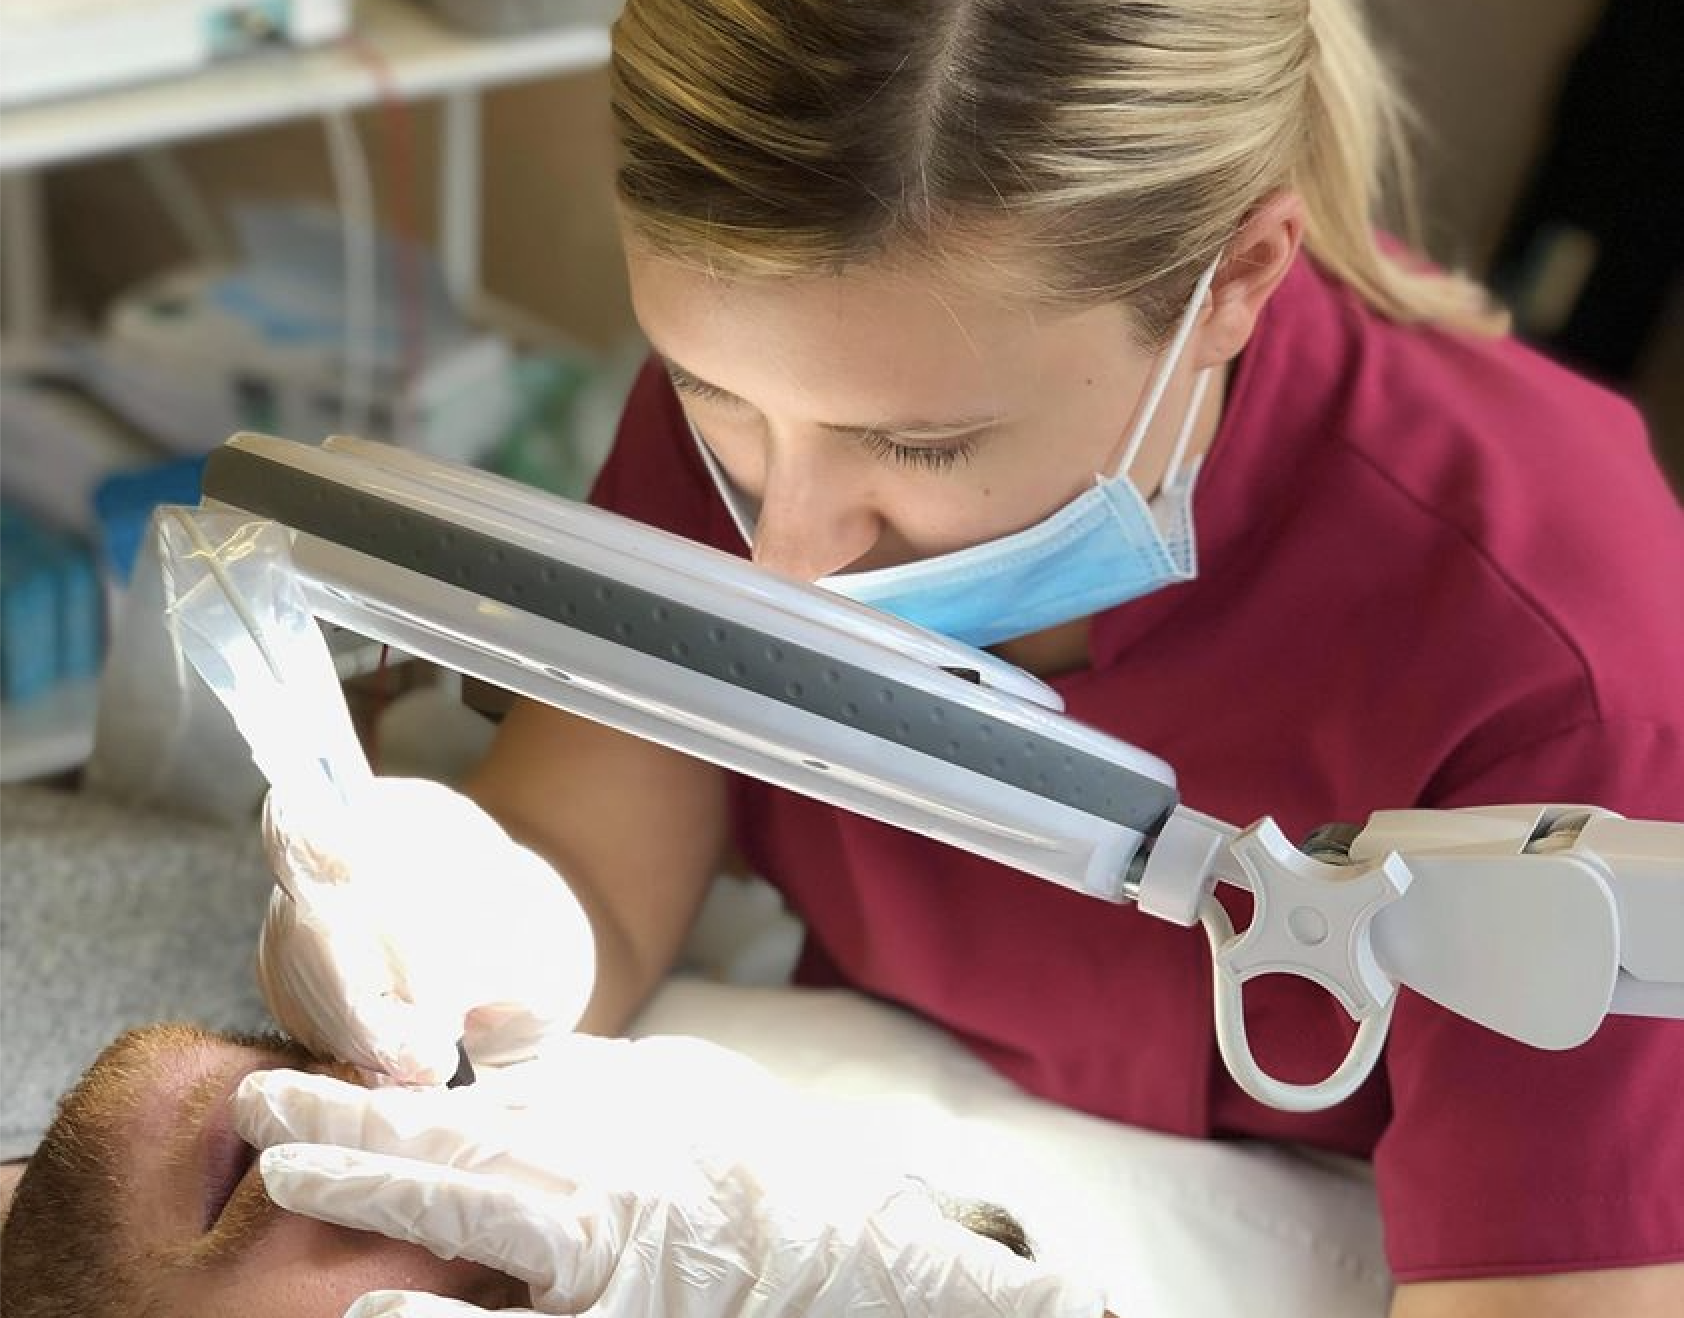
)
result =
(1502, 1159)
(1634, 766)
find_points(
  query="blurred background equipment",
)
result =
(51, 618)
(51, 48)
(265, 305)
(269, 343)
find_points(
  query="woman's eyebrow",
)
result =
(927, 429)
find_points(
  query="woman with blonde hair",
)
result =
(1071, 329)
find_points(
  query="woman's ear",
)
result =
(1262, 251)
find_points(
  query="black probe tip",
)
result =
(464, 1069)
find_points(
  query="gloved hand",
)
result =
(407, 919)
(663, 1176)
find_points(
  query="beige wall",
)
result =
(551, 244)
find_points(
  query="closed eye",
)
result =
(880, 443)
(926, 457)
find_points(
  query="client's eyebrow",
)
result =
(686, 381)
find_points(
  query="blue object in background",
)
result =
(51, 608)
(124, 502)
(28, 625)
(81, 614)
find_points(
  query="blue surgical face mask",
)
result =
(1104, 547)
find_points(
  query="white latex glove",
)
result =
(408, 919)
(657, 1177)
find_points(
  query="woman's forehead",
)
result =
(932, 344)
(979, 284)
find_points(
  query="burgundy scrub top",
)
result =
(1433, 570)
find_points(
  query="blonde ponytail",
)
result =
(1117, 145)
(1357, 149)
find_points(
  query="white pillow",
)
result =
(1168, 1226)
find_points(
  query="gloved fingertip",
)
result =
(410, 1304)
(379, 1304)
(251, 1104)
(282, 1161)
(266, 1105)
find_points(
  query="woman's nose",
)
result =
(816, 518)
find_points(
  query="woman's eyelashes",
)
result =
(926, 457)
(690, 386)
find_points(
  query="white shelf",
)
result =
(49, 735)
(425, 57)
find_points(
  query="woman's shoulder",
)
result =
(1470, 392)
(1482, 430)
(1478, 469)
(1479, 433)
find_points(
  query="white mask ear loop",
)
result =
(743, 513)
(1166, 367)
(1172, 472)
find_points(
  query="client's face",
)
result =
(142, 1199)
